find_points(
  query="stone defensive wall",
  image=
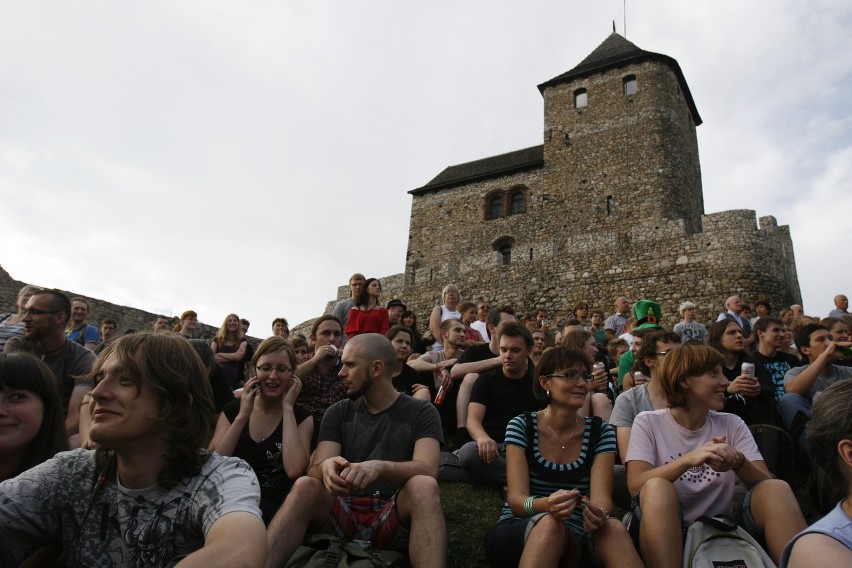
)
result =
(659, 260)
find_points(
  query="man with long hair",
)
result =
(150, 495)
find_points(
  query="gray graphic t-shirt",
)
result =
(123, 527)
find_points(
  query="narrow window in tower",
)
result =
(581, 98)
(610, 208)
(495, 207)
(629, 85)
(516, 203)
(505, 255)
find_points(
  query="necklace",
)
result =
(570, 434)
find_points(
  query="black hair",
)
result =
(22, 371)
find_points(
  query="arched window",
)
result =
(495, 207)
(505, 255)
(581, 98)
(629, 85)
(503, 246)
(516, 203)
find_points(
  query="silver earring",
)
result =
(548, 394)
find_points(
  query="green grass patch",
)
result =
(470, 511)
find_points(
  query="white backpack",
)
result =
(713, 542)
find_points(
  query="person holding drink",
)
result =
(598, 402)
(559, 473)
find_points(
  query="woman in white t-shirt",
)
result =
(684, 459)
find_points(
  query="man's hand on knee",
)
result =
(487, 449)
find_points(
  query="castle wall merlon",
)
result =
(738, 219)
(768, 223)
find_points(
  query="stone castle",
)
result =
(611, 203)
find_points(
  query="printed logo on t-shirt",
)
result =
(729, 564)
(697, 474)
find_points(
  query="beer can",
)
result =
(598, 367)
(639, 378)
(747, 370)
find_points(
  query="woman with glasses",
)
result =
(683, 460)
(266, 427)
(559, 472)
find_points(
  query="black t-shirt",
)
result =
(222, 393)
(503, 399)
(408, 377)
(264, 457)
(476, 353)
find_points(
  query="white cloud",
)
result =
(225, 156)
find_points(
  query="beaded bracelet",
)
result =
(528, 506)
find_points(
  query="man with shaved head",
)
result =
(373, 475)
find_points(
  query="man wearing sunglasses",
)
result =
(47, 314)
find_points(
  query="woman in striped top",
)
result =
(559, 467)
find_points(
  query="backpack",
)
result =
(715, 542)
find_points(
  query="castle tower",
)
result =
(611, 203)
(620, 147)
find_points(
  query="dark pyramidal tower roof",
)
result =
(614, 52)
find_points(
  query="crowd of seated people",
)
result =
(347, 431)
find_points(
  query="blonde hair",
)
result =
(226, 337)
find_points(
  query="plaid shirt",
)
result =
(320, 390)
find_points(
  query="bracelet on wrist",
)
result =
(528, 506)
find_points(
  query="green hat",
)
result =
(648, 314)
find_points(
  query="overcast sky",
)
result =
(249, 156)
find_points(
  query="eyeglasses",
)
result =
(38, 312)
(266, 369)
(666, 352)
(572, 376)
